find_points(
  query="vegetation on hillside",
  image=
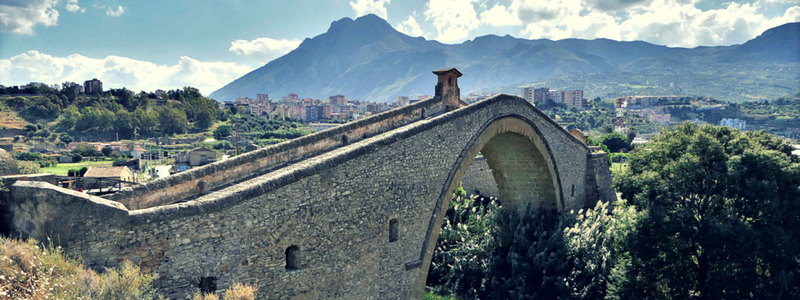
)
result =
(31, 271)
(706, 213)
(262, 131)
(117, 111)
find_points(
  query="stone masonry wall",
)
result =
(479, 180)
(336, 207)
(199, 180)
(603, 178)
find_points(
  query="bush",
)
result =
(616, 142)
(532, 260)
(29, 167)
(464, 246)
(28, 271)
(238, 291)
(28, 156)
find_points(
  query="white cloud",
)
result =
(21, 16)
(791, 14)
(612, 5)
(118, 72)
(364, 7)
(263, 49)
(499, 15)
(685, 25)
(72, 6)
(410, 27)
(453, 19)
(110, 11)
(663, 22)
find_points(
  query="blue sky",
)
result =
(147, 45)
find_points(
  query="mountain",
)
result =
(367, 59)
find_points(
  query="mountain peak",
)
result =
(366, 59)
(369, 23)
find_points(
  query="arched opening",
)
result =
(393, 231)
(293, 258)
(207, 285)
(522, 167)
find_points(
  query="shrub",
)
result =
(29, 167)
(30, 271)
(464, 246)
(238, 291)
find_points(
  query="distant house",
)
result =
(138, 152)
(201, 156)
(94, 174)
(65, 159)
(182, 158)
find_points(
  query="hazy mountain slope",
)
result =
(367, 59)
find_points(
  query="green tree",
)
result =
(532, 259)
(631, 134)
(66, 138)
(721, 217)
(205, 117)
(222, 132)
(107, 151)
(616, 142)
(172, 120)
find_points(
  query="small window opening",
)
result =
(207, 285)
(293, 258)
(573, 191)
(393, 230)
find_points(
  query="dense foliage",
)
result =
(117, 111)
(707, 213)
(464, 247)
(722, 217)
(264, 131)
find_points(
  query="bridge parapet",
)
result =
(219, 174)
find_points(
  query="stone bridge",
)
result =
(352, 212)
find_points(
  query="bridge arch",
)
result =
(523, 168)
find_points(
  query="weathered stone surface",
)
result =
(479, 179)
(8, 166)
(334, 210)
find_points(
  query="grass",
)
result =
(30, 271)
(61, 169)
(236, 292)
(9, 119)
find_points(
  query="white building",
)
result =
(734, 123)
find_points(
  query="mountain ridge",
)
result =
(367, 59)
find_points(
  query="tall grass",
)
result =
(236, 292)
(28, 271)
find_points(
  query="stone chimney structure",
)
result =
(447, 87)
